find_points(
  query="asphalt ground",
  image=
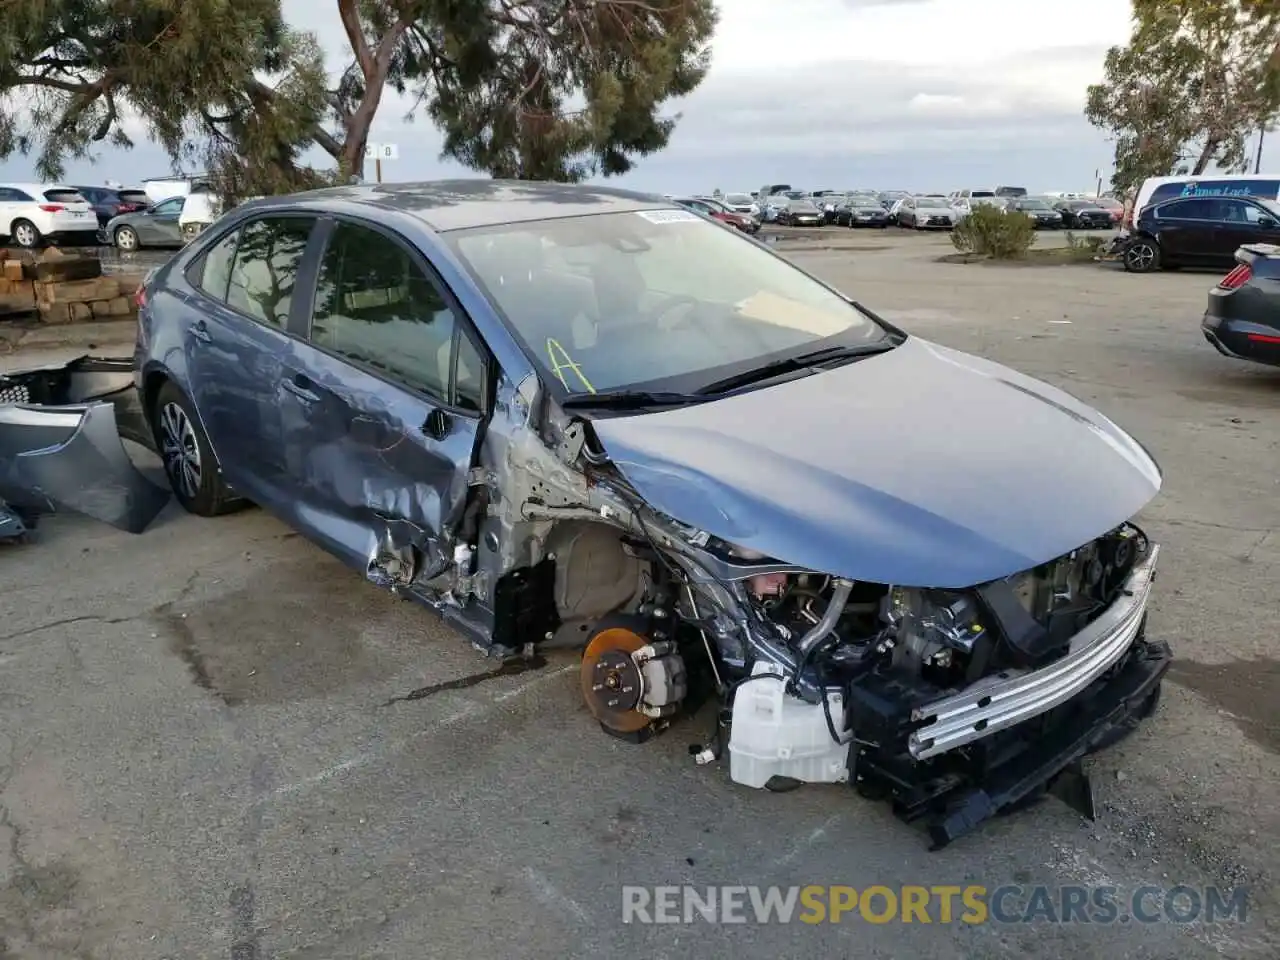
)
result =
(206, 748)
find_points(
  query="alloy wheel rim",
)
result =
(25, 235)
(126, 240)
(180, 450)
(1141, 255)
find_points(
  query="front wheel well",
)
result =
(151, 385)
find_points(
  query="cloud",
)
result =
(904, 93)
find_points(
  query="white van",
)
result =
(1159, 189)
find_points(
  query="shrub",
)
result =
(1083, 248)
(994, 232)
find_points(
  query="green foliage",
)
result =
(557, 89)
(1196, 79)
(991, 231)
(1083, 248)
(534, 89)
(78, 73)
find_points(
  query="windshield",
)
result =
(931, 202)
(741, 199)
(615, 300)
(1025, 204)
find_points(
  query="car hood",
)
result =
(921, 466)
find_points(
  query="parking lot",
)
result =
(217, 742)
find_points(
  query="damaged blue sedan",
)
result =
(573, 414)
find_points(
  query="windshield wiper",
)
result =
(787, 365)
(627, 399)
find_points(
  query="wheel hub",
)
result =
(612, 685)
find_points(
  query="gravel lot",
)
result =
(202, 753)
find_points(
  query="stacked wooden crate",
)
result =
(65, 289)
(17, 291)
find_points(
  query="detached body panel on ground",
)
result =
(60, 445)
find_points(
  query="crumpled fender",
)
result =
(55, 458)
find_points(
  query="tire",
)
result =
(1142, 255)
(126, 239)
(189, 462)
(25, 234)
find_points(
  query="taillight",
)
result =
(1236, 278)
(52, 207)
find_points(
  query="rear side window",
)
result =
(376, 307)
(64, 196)
(1189, 210)
(212, 273)
(265, 268)
(135, 196)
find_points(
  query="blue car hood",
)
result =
(921, 467)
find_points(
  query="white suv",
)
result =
(30, 213)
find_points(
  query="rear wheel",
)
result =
(189, 462)
(25, 234)
(126, 238)
(1142, 255)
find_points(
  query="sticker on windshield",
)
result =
(669, 216)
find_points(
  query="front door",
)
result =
(383, 404)
(1243, 222)
(236, 346)
(160, 227)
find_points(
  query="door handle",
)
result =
(437, 425)
(200, 331)
(302, 388)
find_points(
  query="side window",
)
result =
(1188, 210)
(213, 272)
(7, 195)
(20, 196)
(171, 207)
(469, 380)
(265, 268)
(1255, 214)
(375, 306)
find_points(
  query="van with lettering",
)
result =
(1159, 189)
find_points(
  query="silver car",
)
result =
(926, 213)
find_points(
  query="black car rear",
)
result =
(109, 202)
(1242, 319)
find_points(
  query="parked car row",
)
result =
(784, 205)
(33, 214)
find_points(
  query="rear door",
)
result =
(1187, 229)
(239, 337)
(383, 404)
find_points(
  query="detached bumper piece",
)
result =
(60, 447)
(1010, 740)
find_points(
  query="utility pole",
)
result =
(1257, 160)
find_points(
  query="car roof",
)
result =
(461, 204)
(37, 187)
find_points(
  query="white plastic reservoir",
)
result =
(777, 735)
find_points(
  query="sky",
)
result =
(922, 95)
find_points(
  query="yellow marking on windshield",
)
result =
(561, 361)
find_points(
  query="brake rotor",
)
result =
(611, 681)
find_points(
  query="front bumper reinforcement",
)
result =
(1003, 701)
